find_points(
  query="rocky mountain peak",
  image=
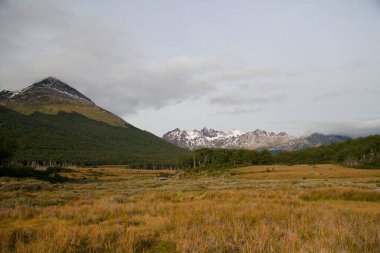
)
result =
(47, 90)
(259, 132)
(318, 139)
(209, 132)
(5, 94)
(257, 139)
(52, 83)
(49, 81)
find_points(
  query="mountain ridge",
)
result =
(50, 83)
(51, 95)
(50, 122)
(257, 139)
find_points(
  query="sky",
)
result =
(299, 66)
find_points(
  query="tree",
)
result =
(265, 157)
(7, 148)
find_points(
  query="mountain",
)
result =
(52, 122)
(51, 96)
(49, 90)
(258, 139)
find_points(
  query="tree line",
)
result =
(357, 153)
(72, 139)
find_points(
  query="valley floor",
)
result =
(321, 208)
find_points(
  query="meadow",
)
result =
(274, 208)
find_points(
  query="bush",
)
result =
(22, 172)
(57, 170)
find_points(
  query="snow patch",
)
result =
(234, 133)
(193, 134)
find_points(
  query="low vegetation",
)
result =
(267, 208)
(50, 174)
(342, 194)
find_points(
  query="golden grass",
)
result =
(321, 171)
(111, 209)
(89, 111)
(119, 172)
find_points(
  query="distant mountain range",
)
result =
(53, 122)
(258, 139)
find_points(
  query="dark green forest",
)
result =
(70, 138)
(360, 153)
(357, 153)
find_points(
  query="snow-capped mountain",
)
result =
(200, 138)
(45, 91)
(258, 139)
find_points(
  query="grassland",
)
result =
(320, 208)
(89, 111)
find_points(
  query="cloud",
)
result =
(332, 94)
(353, 128)
(107, 62)
(239, 110)
(103, 60)
(243, 103)
(241, 97)
(244, 99)
(244, 74)
(97, 48)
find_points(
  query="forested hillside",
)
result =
(72, 138)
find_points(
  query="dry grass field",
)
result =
(322, 208)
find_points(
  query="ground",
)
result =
(303, 208)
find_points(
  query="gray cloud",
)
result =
(332, 94)
(137, 60)
(240, 110)
(352, 128)
(106, 61)
(249, 97)
(245, 73)
(237, 99)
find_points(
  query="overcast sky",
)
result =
(296, 66)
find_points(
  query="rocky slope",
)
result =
(258, 139)
(51, 96)
(49, 90)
